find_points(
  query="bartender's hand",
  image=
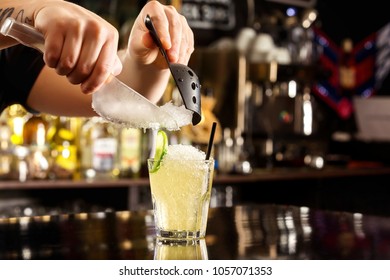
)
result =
(143, 54)
(78, 43)
(172, 28)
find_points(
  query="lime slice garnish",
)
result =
(161, 149)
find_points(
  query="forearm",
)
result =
(53, 94)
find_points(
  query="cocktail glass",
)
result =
(181, 190)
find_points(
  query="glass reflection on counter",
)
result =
(241, 232)
(186, 249)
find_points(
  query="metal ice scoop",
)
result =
(114, 101)
(185, 78)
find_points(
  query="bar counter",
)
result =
(250, 231)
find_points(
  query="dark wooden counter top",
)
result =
(256, 231)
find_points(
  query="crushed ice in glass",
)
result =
(184, 152)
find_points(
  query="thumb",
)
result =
(117, 68)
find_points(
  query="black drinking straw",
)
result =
(211, 140)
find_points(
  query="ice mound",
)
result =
(120, 104)
(180, 114)
(184, 152)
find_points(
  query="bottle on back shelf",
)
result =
(99, 149)
(347, 69)
(63, 149)
(16, 117)
(130, 152)
(35, 139)
(5, 148)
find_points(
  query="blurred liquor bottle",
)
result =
(5, 148)
(348, 87)
(147, 139)
(63, 148)
(16, 117)
(347, 69)
(35, 139)
(99, 149)
(130, 152)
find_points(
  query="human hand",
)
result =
(78, 43)
(176, 36)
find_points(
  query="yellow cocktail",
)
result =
(181, 188)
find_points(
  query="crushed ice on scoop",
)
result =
(178, 113)
(122, 107)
